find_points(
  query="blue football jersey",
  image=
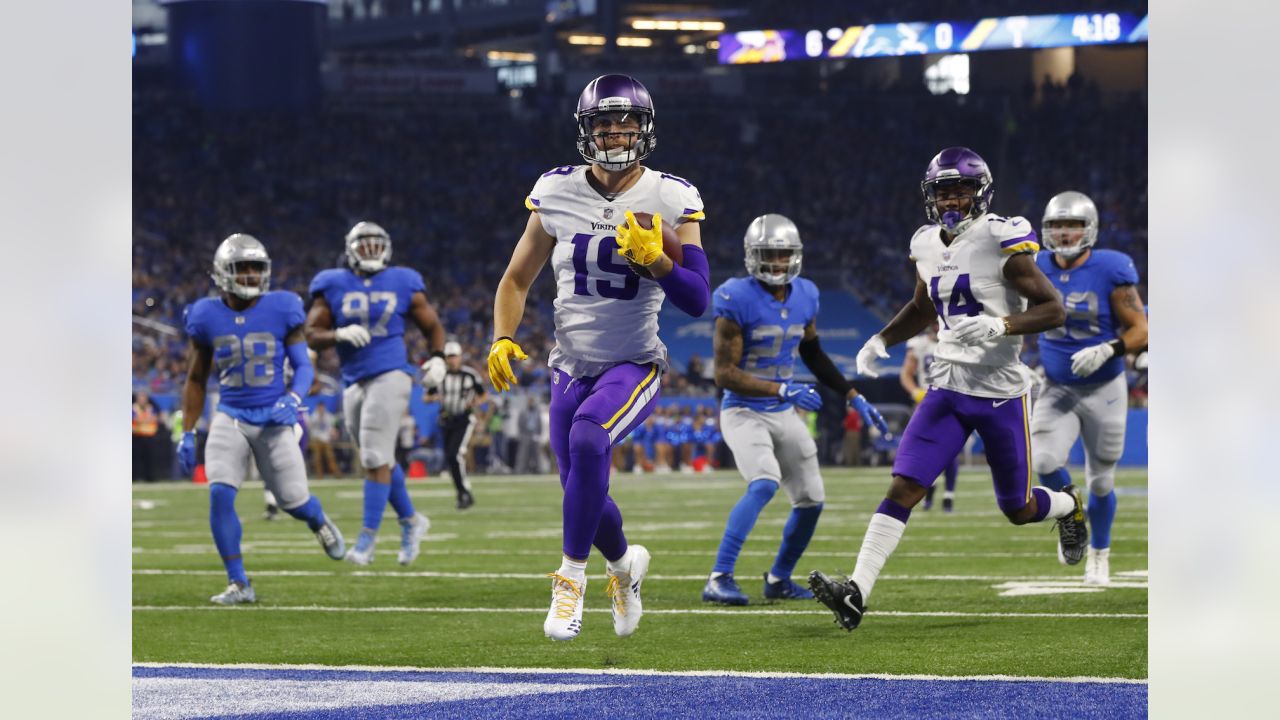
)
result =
(380, 302)
(771, 332)
(1086, 292)
(248, 349)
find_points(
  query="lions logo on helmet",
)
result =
(368, 247)
(1071, 206)
(615, 106)
(773, 249)
(957, 166)
(242, 258)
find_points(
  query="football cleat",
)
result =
(235, 594)
(272, 512)
(784, 589)
(330, 538)
(724, 590)
(948, 505)
(362, 553)
(842, 598)
(564, 619)
(1073, 532)
(1097, 567)
(411, 532)
(624, 591)
(465, 500)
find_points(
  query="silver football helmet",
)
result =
(773, 241)
(229, 263)
(368, 247)
(1070, 205)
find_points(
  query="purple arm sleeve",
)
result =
(689, 285)
(303, 373)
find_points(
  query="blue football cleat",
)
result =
(723, 590)
(784, 589)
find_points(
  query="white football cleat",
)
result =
(624, 590)
(564, 620)
(411, 533)
(1097, 567)
(235, 594)
(362, 552)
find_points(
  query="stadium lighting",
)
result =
(635, 42)
(686, 25)
(509, 56)
(599, 40)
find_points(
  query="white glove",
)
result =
(1140, 362)
(433, 371)
(977, 329)
(866, 362)
(1087, 361)
(357, 335)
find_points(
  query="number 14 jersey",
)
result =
(605, 314)
(964, 279)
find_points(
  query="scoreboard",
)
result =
(919, 38)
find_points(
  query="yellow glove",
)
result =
(500, 354)
(640, 246)
(918, 394)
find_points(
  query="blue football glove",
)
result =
(870, 414)
(285, 411)
(802, 395)
(187, 452)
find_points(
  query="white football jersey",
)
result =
(925, 349)
(605, 314)
(967, 278)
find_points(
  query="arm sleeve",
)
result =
(303, 373)
(821, 366)
(689, 285)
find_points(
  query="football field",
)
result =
(967, 598)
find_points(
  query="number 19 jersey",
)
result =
(605, 314)
(379, 302)
(966, 279)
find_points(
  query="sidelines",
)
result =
(692, 611)
(647, 673)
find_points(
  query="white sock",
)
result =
(883, 534)
(774, 579)
(574, 570)
(949, 495)
(1061, 504)
(623, 563)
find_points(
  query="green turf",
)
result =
(945, 563)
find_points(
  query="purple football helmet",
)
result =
(957, 165)
(615, 94)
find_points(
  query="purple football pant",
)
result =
(941, 424)
(588, 417)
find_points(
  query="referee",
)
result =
(458, 393)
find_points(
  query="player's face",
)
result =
(775, 261)
(615, 130)
(1065, 234)
(453, 361)
(250, 274)
(957, 196)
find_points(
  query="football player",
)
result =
(1085, 393)
(915, 380)
(976, 275)
(362, 309)
(762, 322)
(611, 276)
(246, 334)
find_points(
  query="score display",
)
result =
(919, 38)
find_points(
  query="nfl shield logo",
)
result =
(946, 256)
(784, 313)
(1064, 277)
(239, 319)
(608, 213)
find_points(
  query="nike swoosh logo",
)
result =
(1112, 401)
(847, 599)
(724, 295)
(998, 403)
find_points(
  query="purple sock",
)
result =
(1042, 503)
(586, 488)
(894, 510)
(609, 540)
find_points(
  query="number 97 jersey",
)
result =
(605, 314)
(1086, 293)
(966, 279)
(380, 302)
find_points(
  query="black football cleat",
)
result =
(842, 598)
(465, 500)
(1073, 532)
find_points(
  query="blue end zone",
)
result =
(294, 694)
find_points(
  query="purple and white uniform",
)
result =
(984, 387)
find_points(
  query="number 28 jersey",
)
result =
(605, 314)
(380, 302)
(964, 279)
(771, 332)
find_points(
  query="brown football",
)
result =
(670, 242)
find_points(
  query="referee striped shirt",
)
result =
(458, 389)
